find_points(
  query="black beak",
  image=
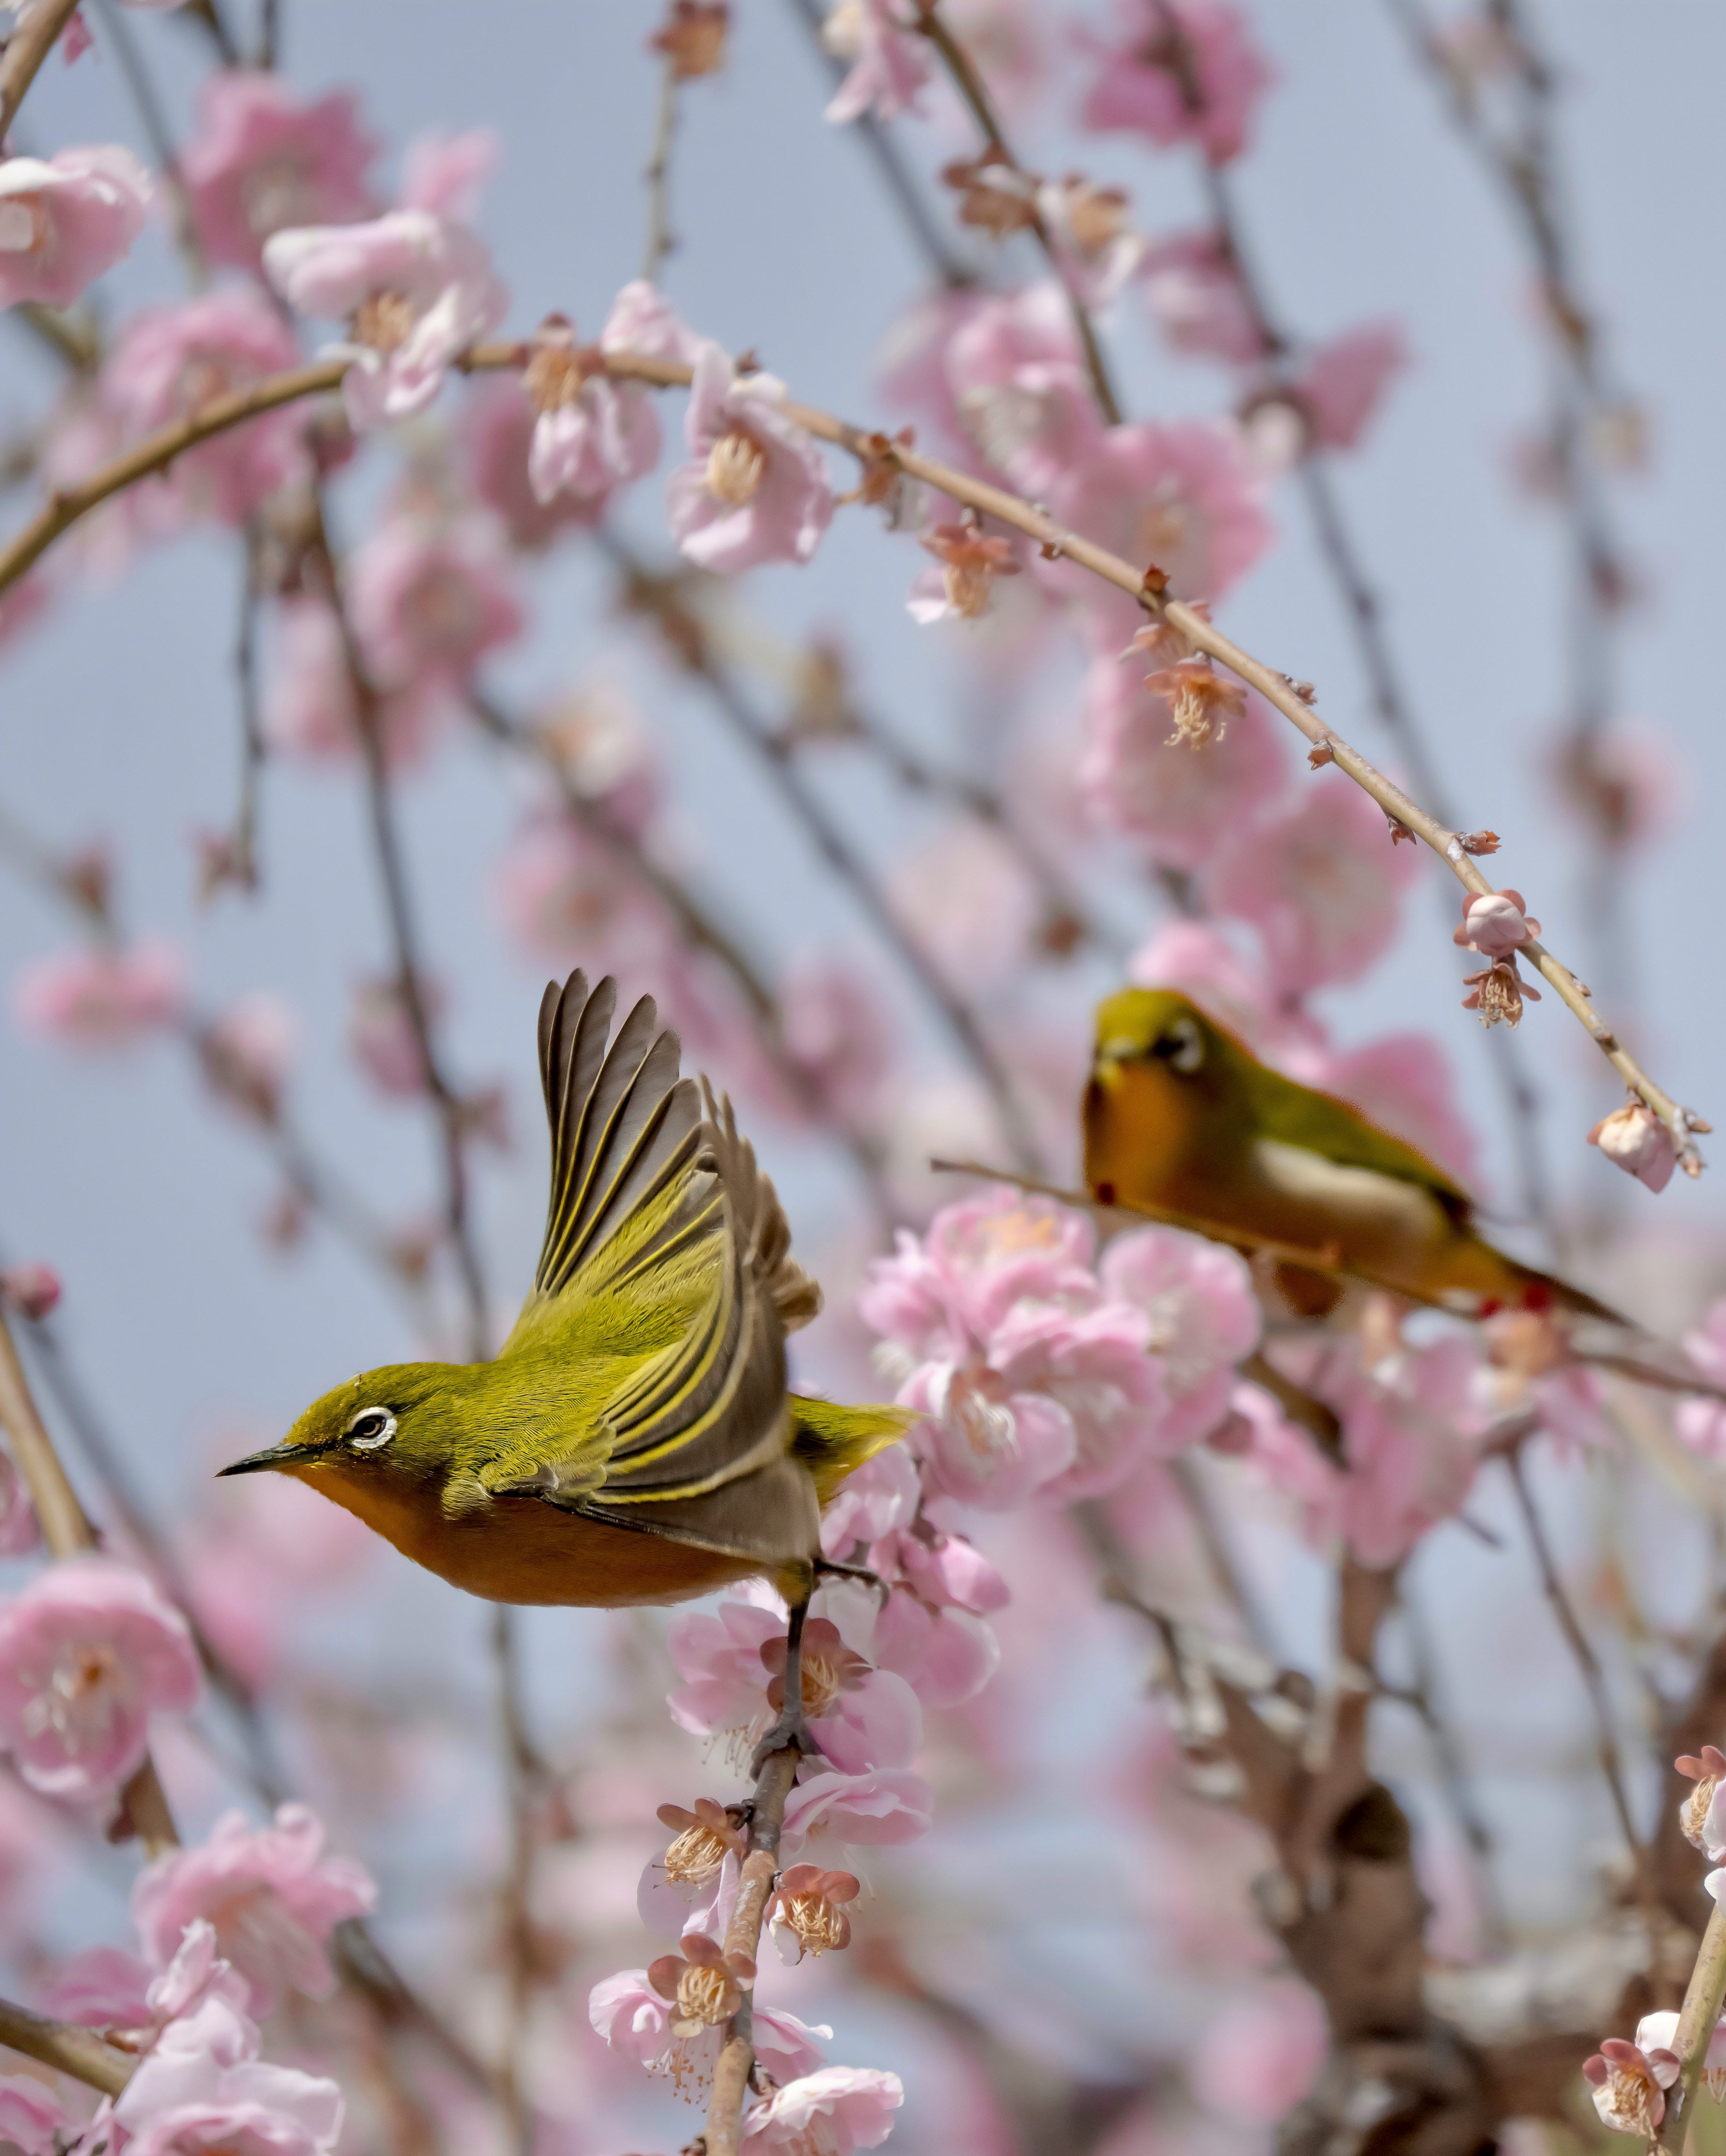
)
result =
(279, 1455)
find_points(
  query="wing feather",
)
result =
(659, 1205)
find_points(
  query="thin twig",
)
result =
(660, 240)
(29, 44)
(1594, 1682)
(651, 595)
(159, 136)
(68, 1532)
(1453, 1771)
(244, 851)
(743, 1936)
(519, 1766)
(452, 1113)
(896, 174)
(969, 85)
(873, 449)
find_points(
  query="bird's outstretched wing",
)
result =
(667, 1263)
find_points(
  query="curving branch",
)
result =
(874, 450)
(26, 50)
(68, 1532)
(67, 2047)
(969, 85)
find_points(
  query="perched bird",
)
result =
(634, 1440)
(1182, 1121)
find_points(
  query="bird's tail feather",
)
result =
(833, 1441)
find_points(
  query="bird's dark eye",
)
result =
(1182, 1046)
(369, 1428)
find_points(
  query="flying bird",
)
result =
(634, 1440)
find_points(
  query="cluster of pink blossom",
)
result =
(1070, 1392)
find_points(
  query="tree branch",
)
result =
(26, 50)
(761, 1866)
(68, 1532)
(67, 2047)
(875, 450)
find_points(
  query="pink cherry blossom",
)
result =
(1629, 2086)
(1182, 497)
(415, 289)
(692, 1885)
(1405, 1084)
(828, 1814)
(756, 490)
(913, 356)
(565, 894)
(32, 2119)
(828, 2113)
(429, 601)
(88, 1652)
(1195, 295)
(1702, 1423)
(1177, 802)
(27, 602)
(862, 1717)
(20, 1531)
(248, 1051)
(636, 2021)
(889, 62)
(1320, 881)
(65, 219)
(263, 160)
(1411, 1439)
(271, 1894)
(32, 1289)
(102, 997)
(1140, 87)
(494, 432)
(103, 1988)
(1090, 1367)
(1624, 784)
(1014, 379)
(1634, 1138)
(1261, 2051)
(966, 893)
(444, 173)
(1204, 1318)
(940, 1292)
(381, 1037)
(1196, 957)
(203, 2087)
(946, 1655)
(836, 1028)
(1288, 1462)
(591, 434)
(881, 1495)
(1341, 385)
(309, 706)
(169, 363)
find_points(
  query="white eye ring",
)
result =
(1189, 1052)
(373, 1438)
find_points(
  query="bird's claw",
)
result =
(789, 1733)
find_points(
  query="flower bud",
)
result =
(31, 1289)
(1634, 1138)
(1494, 925)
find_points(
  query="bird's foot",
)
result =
(789, 1733)
(827, 1568)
